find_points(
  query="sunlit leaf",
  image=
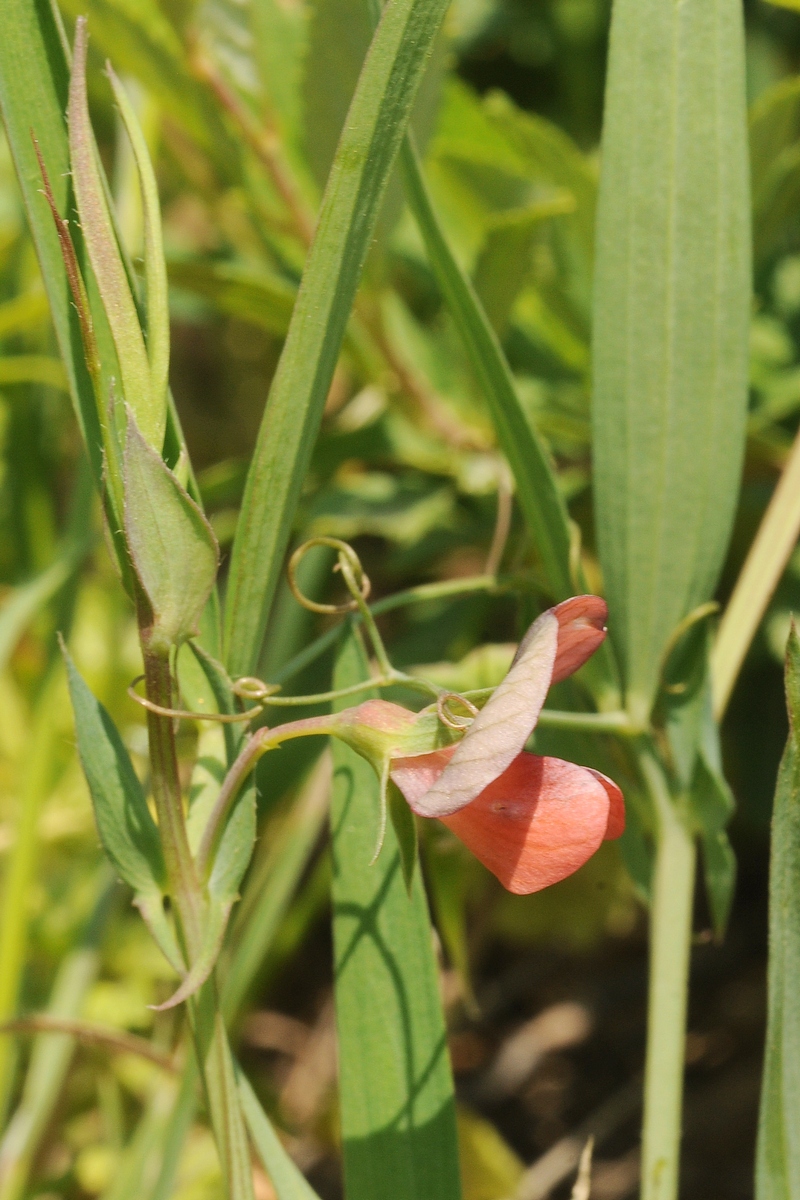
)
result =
(376, 121)
(154, 266)
(778, 1151)
(396, 1092)
(104, 255)
(671, 314)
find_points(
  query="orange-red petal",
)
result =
(581, 629)
(616, 807)
(416, 774)
(536, 823)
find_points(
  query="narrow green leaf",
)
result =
(154, 265)
(34, 83)
(143, 43)
(671, 314)
(376, 120)
(778, 1150)
(396, 1089)
(214, 925)
(127, 831)
(51, 1053)
(104, 255)
(541, 502)
(288, 1182)
(713, 804)
(172, 546)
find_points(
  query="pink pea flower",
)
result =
(532, 820)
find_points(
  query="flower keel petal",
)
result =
(581, 629)
(616, 809)
(536, 824)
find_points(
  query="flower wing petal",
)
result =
(535, 824)
(501, 728)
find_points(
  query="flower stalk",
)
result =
(670, 944)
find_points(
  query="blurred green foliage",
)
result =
(242, 105)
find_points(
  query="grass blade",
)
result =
(286, 1179)
(396, 1090)
(778, 1151)
(104, 255)
(376, 121)
(34, 86)
(537, 488)
(671, 316)
(758, 578)
(154, 265)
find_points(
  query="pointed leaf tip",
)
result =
(104, 254)
(172, 546)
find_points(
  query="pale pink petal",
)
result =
(416, 775)
(616, 810)
(501, 728)
(535, 824)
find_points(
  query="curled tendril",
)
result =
(451, 719)
(248, 687)
(181, 714)
(349, 564)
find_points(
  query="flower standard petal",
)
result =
(535, 824)
(501, 729)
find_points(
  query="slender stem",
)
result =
(394, 679)
(554, 718)
(417, 595)
(758, 578)
(90, 1033)
(592, 722)
(670, 941)
(208, 1028)
(181, 873)
(502, 526)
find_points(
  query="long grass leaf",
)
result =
(396, 1089)
(105, 256)
(671, 313)
(34, 87)
(778, 1152)
(375, 124)
(539, 497)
